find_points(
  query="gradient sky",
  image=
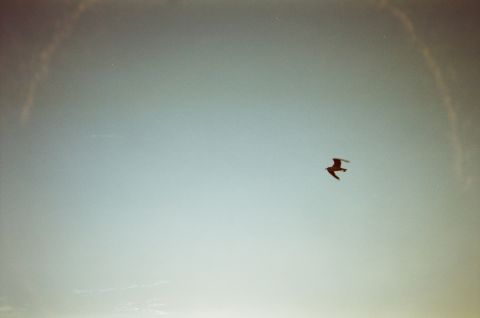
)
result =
(167, 159)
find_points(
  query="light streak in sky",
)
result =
(120, 289)
(45, 57)
(104, 136)
(441, 85)
(151, 307)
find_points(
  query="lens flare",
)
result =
(45, 57)
(441, 85)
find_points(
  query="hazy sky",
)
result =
(168, 159)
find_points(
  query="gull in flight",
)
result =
(337, 166)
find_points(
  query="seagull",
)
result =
(337, 166)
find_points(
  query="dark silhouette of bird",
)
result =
(337, 166)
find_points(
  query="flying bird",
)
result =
(337, 166)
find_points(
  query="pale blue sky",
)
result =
(173, 164)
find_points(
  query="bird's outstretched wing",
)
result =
(333, 174)
(337, 162)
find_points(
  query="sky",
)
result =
(167, 158)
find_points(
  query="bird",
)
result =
(337, 166)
